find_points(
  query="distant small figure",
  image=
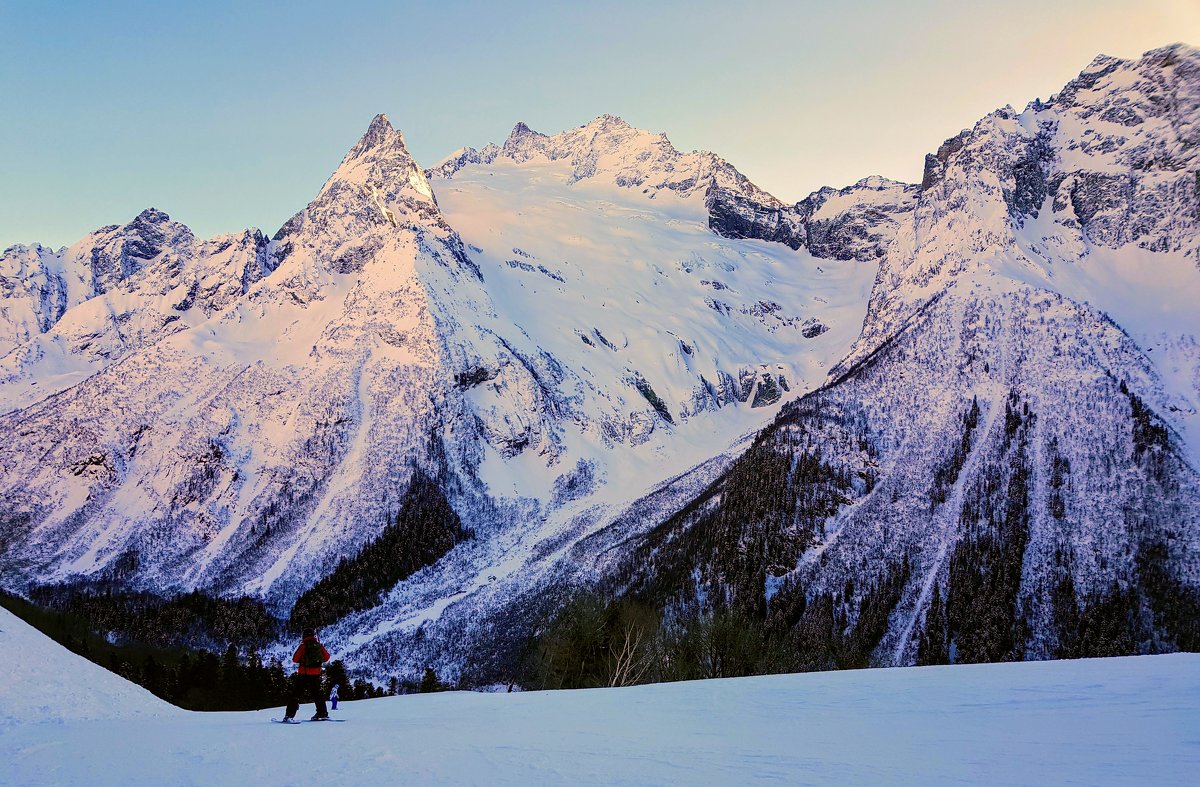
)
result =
(333, 697)
(306, 683)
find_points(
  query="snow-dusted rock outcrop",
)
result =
(1109, 161)
(76, 311)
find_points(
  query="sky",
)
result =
(230, 115)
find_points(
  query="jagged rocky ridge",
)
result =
(1001, 464)
(69, 313)
(855, 222)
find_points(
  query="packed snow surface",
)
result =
(1092, 721)
(49, 684)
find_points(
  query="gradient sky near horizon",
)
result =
(232, 114)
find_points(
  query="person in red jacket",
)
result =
(310, 657)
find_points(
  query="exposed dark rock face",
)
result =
(857, 222)
(734, 215)
(1029, 177)
(935, 163)
(854, 223)
(150, 234)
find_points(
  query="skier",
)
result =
(306, 683)
(333, 697)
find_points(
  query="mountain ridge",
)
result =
(576, 337)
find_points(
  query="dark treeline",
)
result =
(594, 640)
(194, 620)
(979, 617)
(752, 523)
(983, 619)
(424, 530)
(946, 474)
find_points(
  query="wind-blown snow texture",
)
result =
(1091, 721)
(578, 335)
(69, 688)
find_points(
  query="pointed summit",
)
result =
(379, 135)
(151, 216)
(607, 121)
(380, 161)
(378, 182)
(524, 143)
(521, 130)
(522, 135)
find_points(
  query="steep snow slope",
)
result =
(636, 300)
(1097, 721)
(48, 685)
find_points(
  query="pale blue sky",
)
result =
(232, 114)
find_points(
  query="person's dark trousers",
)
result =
(306, 688)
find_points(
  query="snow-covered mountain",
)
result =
(544, 364)
(71, 313)
(251, 444)
(856, 222)
(1006, 462)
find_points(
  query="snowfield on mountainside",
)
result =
(1117, 720)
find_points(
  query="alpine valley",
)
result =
(446, 414)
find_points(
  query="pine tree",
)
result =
(430, 682)
(335, 675)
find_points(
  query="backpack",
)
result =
(312, 657)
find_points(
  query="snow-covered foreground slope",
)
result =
(48, 684)
(1104, 721)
